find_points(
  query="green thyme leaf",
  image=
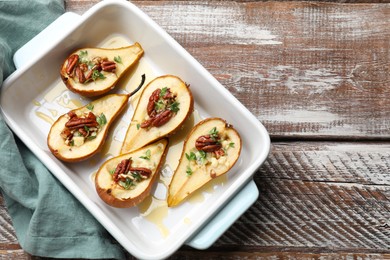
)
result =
(118, 59)
(112, 171)
(191, 156)
(159, 105)
(136, 176)
(82, 56)
(189, 171)
(231, 145)
(91, 137)
(138, 126)
(83, 53)
(214, 134)
(163, 91)
(174, 107)
(101, 119)
(127, 184)
(97, 75)
(213, 131)
(90, 106)
(147, 155)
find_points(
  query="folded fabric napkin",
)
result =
(48, 220)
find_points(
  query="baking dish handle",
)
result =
(225, 217)
(45, 39)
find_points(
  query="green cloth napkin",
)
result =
(48, 220)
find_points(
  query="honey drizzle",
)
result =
(45, 117)
(155, 211)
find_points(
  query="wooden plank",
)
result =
(8, 238)
(324, 198)
(318, 197)
(14, 254)
(304, 69)
(227, 255)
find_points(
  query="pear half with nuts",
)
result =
(164, 105)
(126, 180)
(95, 71)
(210, 150)
(81, 133)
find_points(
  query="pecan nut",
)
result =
(72, 61)
(161, 107)
(125, 166)
(109, 66)
(152, 100)
(158, 120)
(76, 122)
(80, 74)
(219, 153)
(121, 168)
(80, 122)
(162, 118)
(207, 144)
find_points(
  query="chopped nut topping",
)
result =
(84, 70)
(127, 176)
(161, 107)
(79, 129)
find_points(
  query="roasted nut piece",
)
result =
(162, 118)
(161, 107)
(80, 74)
(207, 144)
(108, 66)
(124, 167)
(77, 122)
(152, 101)
(72, 61)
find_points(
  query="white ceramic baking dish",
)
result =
(25, 106)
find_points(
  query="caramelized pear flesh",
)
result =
(164, 105)
(210, 150)
(126, 180)
(95, 71)
(81, 133)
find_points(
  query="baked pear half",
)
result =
(95, 71)
(81, 133)
(164, 105)
(210, 150)
(126, 180)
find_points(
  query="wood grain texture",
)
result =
(321, 198)
(304, 69)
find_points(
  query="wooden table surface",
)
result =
(317, 75)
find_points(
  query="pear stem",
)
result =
(139, 87)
